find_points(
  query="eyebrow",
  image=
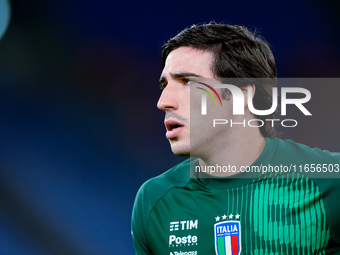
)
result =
(178, 75)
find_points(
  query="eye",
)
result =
(163, 85)
(186, 81)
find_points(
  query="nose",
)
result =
(168, 99)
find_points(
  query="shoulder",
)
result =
(156, 187)
(322, 166)
(147, 197)
(297, 152)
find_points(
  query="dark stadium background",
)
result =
(79, 127)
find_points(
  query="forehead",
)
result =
(188, 60)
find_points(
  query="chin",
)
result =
(181, 150)
(182, 153)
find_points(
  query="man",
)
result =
(213, 204)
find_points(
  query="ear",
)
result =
(245, 90)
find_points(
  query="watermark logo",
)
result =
(239, 99)
(204, 97)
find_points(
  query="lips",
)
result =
(173, 128)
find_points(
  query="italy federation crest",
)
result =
(228, 238)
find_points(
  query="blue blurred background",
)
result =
(79, 127)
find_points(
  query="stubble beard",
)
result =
(180, 150)
(182, 153)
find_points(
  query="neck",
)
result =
(240, 147)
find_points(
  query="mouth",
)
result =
(173, 128)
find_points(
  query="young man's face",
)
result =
(181, 64)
